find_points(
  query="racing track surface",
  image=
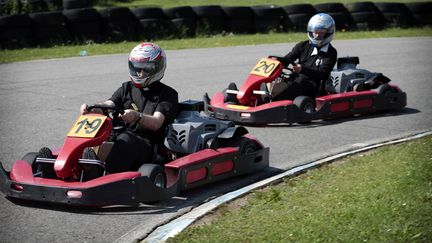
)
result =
(40, 100)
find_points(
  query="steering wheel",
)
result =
(111, 111)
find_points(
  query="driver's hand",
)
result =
(83, 110)
(130, 116)
(297, 68)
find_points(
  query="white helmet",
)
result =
(147, 63)
(324, 25)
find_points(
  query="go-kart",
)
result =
(349, 91)
(196, 150)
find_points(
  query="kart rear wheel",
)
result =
(385, 89)
(248, 146)
(155, 173)
(305, 104)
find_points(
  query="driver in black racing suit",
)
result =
(149, 106)
(316, 58)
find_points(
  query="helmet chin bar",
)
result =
(140, 83)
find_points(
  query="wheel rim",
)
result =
(309, 108)
(159, 181)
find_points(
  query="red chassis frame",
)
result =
(126, 188)
(285, 111)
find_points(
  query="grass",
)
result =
(382, 196)
(175, 3)
(7, 56)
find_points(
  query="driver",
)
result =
(316, 59)
(149, 106)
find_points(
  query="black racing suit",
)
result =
(315, 68)
(134, 147)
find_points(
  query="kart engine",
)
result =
(190, 131)
(347, 75)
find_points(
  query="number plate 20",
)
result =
(265, 67)
(86, 126)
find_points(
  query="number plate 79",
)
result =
(86, 126)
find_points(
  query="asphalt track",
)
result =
(40, 100)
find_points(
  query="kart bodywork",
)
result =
(197, 151)
(349, 91)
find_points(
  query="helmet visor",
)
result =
(143, 69)
(318, 34)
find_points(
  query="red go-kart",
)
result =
(197, 150)
(349, 91)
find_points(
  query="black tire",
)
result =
(82, 15)
(150, 29)
(361, 7)
(299, 21)
(395, 14)
(247, 146)
(119, 24)
(211, 19)
(75, 4)
(180, 12)
(302, 8)
(50, 28)
(30, 158)
(239, 19)
(421, 13)
(385, 89)
(46, 170)
(305, 104)
(155, 173)
(359, 87)
(185, 27)
(270, 18)
(16, 31)
(54, 5)
(330, 7)
(149, 13)
(367, 20)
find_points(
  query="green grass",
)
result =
(175, 3)
(382, 196)
(27, 54)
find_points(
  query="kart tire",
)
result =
(155, 173)
(385, 89)
(305, 104)
(247, 146)
(30, 158)
(359, 87)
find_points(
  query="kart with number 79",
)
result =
(197, 150)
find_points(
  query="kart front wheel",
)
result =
(30, 158)
(155, 173)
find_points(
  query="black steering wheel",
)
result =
(111, 111)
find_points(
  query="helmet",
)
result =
(147, 63)
(324, 27)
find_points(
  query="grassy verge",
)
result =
(382, 196)
(7, 56)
